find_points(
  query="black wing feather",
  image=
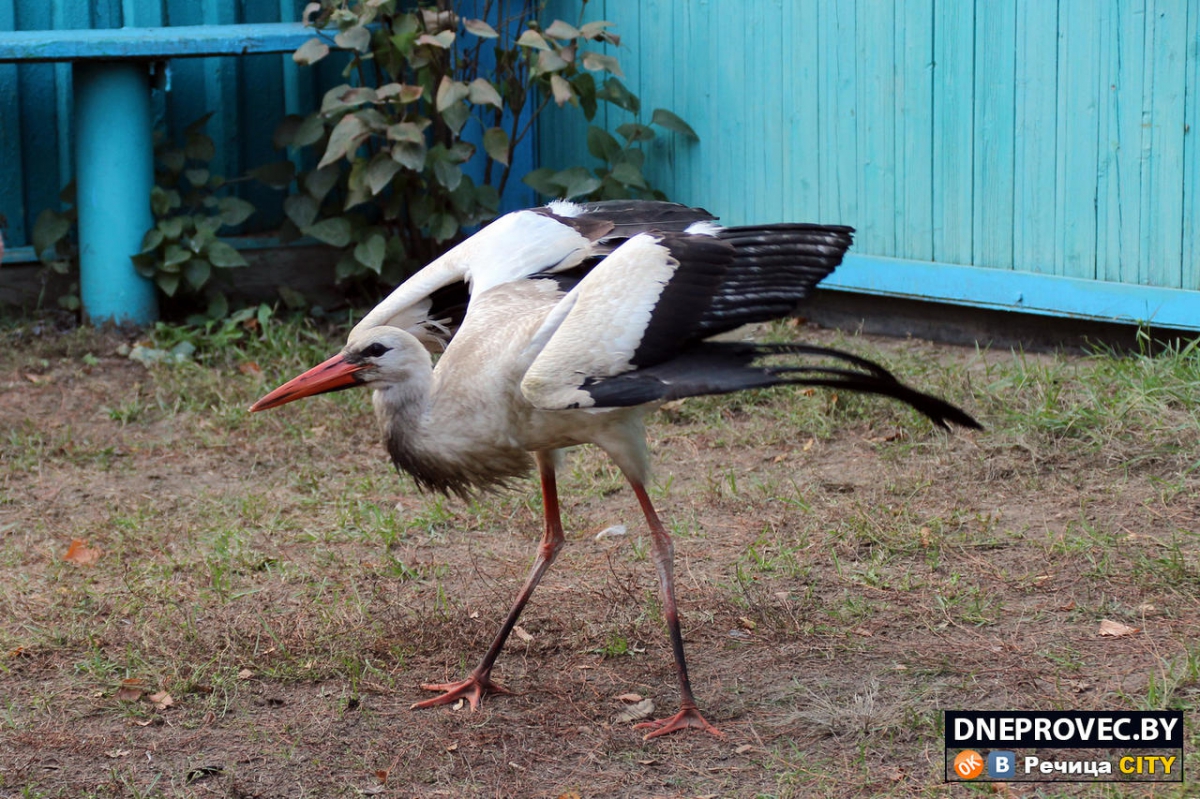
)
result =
(722, 367)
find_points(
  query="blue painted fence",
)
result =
(1054, 142)
(250, 95)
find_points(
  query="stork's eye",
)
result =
(375, 350)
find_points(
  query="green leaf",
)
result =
(301, 209)
(168, 282)
(629, 175)
(218, 305)
(285, 131)
(345, 96)
(495, 144)
(160, 203)
(197, 177)
(151, 240)
(174, 160)
(670, 121)
(594, 30)
(489, 198)
(221, 254)
(550, 61)
(197, 273)
(576, 181)
(597, 62)
(634, 132)
(562, 91)
(319, 182)
(601, 144)
(482, 92)
(478, 27)
(173, 256)
(334, 232)
(356, 185)
(447, 174)
(293, 299)
(310, 52)
(278, 175)
(441, 39)
(370, 252)
(347, 267)
(585, 89)
(310, 131)
(353, 38)
(450, 92)
(234, 210)
(380, 172)
(460, 152)
(561, 30)
(146, 264)
(532, 38)
(456, 116)
(347, 135)
(172, 227)
(542, 181)
(443, 227)
(615, 92)
(410, 154)
(200, 148)
(403, 92)
(48, 230)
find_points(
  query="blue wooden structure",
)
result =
(113, 148)
(1033, 155)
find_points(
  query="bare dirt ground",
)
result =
(255, 600)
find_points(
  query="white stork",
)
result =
(580, 320)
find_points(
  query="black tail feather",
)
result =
(724, 367)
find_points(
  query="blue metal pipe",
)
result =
(114, 173)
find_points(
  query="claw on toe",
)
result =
(473, 689)
(687, 717)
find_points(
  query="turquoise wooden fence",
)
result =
(249, 96)
(1033, 154)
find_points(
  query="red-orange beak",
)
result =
(334, 374)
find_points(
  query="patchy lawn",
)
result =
(254, 601)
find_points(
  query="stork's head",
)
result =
(378, 357)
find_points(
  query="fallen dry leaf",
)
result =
(1114, 629)
(162, 700)
(250, 368)
(630, 698)
(79, 552)
(116, 753)
(522, 633)
(636, 712)
(245, 674)
(131, 690)
(571, 795)
(743, 749)
(382, 776)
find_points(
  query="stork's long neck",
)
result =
(432, 452)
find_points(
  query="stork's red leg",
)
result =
(664, 563)
(479, 683)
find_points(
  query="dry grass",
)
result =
(845, 574)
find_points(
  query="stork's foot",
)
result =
(473, 689)
(687, 717)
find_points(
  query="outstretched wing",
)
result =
(560, 238)
(633, 331)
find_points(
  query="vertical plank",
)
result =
(839, 139)
(875, 29)
(800, 159)
(995, 73)
(700, 103)
(657, 87)
(914, 117)
(221, 81)
(731, 144)
(1075, 178)
(66, 15)
(1162, 187)
(1190, 277)
(37, 100)
(1118, 195)
(953, 144)
(1035, 153)
(12, 201)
